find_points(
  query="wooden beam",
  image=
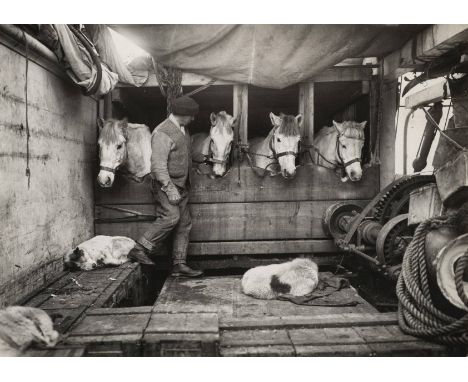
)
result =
(240, 107)
(435, 92)
(344, 74)
(387, 133)
(188, 79)
(247, 248)
(429, 44)
(311, 183)
(337, 73)
(306, 108)
(374, 95)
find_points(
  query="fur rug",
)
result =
(99, 251)
(22, 326)
(297, 277)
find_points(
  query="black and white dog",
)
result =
(297, 277)
(99, 251)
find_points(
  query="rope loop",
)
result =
(417, 314)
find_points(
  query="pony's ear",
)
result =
(362, 125)
(213, 119)
(233, 121)
(100, 122)
(124, 125)
(76, 254)
(338, 126)
(299, 119)
(275, 120)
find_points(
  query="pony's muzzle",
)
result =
(219, 169)
(288, 174)
(354, 172)
(105, 178)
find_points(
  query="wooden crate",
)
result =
(181, 334)
(111, 332)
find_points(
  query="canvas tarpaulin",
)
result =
(78, 62)
(273, 56)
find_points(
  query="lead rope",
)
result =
(203, 87)
(28, 135)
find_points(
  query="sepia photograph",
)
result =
(210, 189)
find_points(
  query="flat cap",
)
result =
(185, 106)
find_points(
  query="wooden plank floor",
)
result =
(252, 327)
(223, 295)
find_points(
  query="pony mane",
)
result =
(111, 131)
(350, 131)
(289, 127)
(223, 122)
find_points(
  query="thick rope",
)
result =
(169, 81)
(417, 314)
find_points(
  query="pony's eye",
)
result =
(344, 146)
(119, 147)
(278, 140)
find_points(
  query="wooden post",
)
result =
(240, 109)
(306, 108)
(106, 110)
(387, 133)
(373, 119)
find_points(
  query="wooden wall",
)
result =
(42, 221)
(259, 216)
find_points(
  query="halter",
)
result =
(113, 170)
(343, 164)
(282, 153)
(350, 162)
(210, 159)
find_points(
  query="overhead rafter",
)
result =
(432, 42)
(337, 73)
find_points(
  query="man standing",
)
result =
(170, 174)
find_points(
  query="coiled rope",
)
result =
(417, 314)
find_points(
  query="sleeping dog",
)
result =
(99, 251)
(297, 277)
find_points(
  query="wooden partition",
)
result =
(248, 218)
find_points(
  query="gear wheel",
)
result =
(396, 200)
(393, 239)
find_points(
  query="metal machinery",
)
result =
(378, 233)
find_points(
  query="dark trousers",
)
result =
(169, 218)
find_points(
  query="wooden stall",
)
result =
(243, 215)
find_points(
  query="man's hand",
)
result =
(172, 194)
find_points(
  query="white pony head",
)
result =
(112, 149)
(221, 137)
(285, 141)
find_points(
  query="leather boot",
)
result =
(183, 270)
(139, 254)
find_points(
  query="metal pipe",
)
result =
(356, 251)
(34, 45)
